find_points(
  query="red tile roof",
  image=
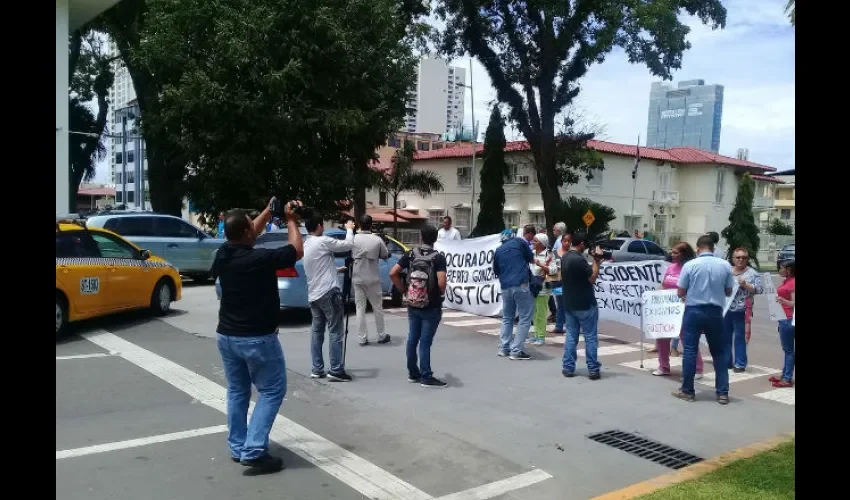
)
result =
(98, 191)
(673, 155)
(767, 178)
(386, 215)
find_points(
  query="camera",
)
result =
(278, 210)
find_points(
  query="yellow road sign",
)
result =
(588, 218)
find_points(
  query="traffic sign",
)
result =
(588, 218)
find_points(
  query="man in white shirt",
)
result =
(558, 230)
(366, 282)
(324, 295)
(447, 232)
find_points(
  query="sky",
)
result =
(753, 58)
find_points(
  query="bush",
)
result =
(780, 228)
(572, 211)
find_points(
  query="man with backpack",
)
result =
(426, 284)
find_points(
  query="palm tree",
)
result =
(789, 9)
(402, 178)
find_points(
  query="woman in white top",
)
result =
(544, 266)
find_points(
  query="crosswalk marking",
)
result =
(650, 364)
(457, 314)
(753, 371)
(781, 395)
(610, 350)
(475, 322)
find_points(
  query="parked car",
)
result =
(292, 283)
(631, 249)
(188, 248)
(99, 273)
(786, 252)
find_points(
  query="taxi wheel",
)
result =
(161, 298)
(61, 316)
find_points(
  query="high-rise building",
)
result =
(436, 102)
(688, 115)
(122, 99)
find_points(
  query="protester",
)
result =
(719, 252)
(543, 266)
(366, 282)
(681, 253)
(247, 332)
(560, 314)
(325, 296)
(734, 323)
(557, 231)
(220, 230)
(510, 265)
(786, 295)
(582, 312)
(704, 284)
(426, 286)
(528, 232)
(447, 232)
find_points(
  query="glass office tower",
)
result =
(688, 115)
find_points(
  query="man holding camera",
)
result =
(324, 295)
(247, 332)
(368, 248)
(580, 308)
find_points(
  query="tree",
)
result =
(536, 51)
(491, 200)
(742, 231)
(790, 7)
(90, 77)
(780, 228)
(571, 212)
(403, 178)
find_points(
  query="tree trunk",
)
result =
(360, 190)
(547, 176)
(395, 216)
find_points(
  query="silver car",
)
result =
(188, 248)
(631, 249)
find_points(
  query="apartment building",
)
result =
(436, 102)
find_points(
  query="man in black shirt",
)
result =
(582, 313)
(247, 332)
(426, 273)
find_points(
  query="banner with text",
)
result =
(472, 285)
(621, 285)
(663, 311)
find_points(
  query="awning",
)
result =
(510, 209)
(462, 205)
(536, 209)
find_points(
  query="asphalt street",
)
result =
(140, 415)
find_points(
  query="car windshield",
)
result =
(610, 244)
(274, 239)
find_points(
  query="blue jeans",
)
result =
(786, 336)
(707, 319)
(561, 313)
(423, 325)
(327, 312)
(735, 339)
(515, 300)
(587, 323)
(675, 343)
(258, 360)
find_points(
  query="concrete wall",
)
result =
(62, 165)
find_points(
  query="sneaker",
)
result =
(521, 356)
(723, 399)
(774, 378)
(558, 331)
(384, 339)
(363, 342)
(539, 342)
(265, 464)
(594, 376)
(659, 373)
(739, 370)
(320, 374)
(432, 382)
(414, 380)
(698, 376)
(568, 374)
(236, 459)
(339, 377)
(684, 396)
(503, 354)
(783, 383)
(674, 353)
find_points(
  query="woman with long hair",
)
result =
(786, 295)
(681, 252)
(735, 321)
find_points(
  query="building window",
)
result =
(538, 219)
(464, 176)
(118, 158)
(131, 177)
(118, 197)
(131, 196)
(721, 184)
(383, 199)
(511, 219)
(422, 146)
(462, 219)
(435, 217)
(119, 178)
(631, 223)
(785, 214)
(394, 142)
(595, 180)
(438, 145)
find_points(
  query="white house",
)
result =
(70, 15)
(680, 193)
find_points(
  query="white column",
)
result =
(62, 165)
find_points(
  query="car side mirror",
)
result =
(201, 235)
(145, 254)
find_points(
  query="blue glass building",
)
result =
(688, 115)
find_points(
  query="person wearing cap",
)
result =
(543, 266)
(510, 265)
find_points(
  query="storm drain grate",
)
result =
(646, 448)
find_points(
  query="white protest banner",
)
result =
(472, 286)
(663, 311)
(773, 307)
(621, 285)
(730, 298)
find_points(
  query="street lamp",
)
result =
(474, 141)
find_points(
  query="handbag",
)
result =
(535, 284)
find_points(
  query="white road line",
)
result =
(86, 356)
(396, 310)
(780, 395)
(454, 314)
(610, 350)
(497, 488)
(358, 473)
(475, 322)
(650, 363)
(753, 371)
(135, 443)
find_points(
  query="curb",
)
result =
(696, 470)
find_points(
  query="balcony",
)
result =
(762, 203)
(670, 198)
(783, 203)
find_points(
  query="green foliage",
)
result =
(790, 9)
(571, 212)
(402, 177)
(742, 231)
(536, 51)
(493, 174)
(780, 228)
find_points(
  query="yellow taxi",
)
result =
(100, 273)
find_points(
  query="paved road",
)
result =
(139, 415)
